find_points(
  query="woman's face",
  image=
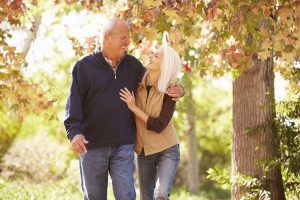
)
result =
(155, 60)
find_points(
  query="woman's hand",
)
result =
(128, 98)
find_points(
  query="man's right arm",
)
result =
(73, 111)
(73, 116)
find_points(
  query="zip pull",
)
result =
(115, 72)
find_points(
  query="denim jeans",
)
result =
(97, 163)
(156, 173)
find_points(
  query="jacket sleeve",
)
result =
(73, 110)
(158, 124)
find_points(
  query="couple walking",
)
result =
(116, 107)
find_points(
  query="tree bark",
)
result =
(32, 34)
(254, 110)
(193, 161)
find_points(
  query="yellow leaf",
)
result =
(150, 3)
(190, 40)
(227, 13)
(192, 15)
(264, 55)
(289, 57)
(179, 20)
(218, 24)
(277, 45)
(172, 14)
(151, 33)
(267, 44)
(265, 33)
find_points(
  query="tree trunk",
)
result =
(254, 136)
(193, 161)
(7, 138)
(32, 34)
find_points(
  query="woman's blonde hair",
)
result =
(169, 69)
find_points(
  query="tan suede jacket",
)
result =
(151, 141)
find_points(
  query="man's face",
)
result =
(119, 41)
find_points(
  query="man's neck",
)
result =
(106, 55)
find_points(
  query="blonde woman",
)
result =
(157, 144)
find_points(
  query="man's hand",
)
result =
(175, 91)
(78, 144)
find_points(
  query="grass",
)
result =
(65, 190)
(50, 190)
(204, 194)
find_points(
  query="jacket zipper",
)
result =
(115, 73)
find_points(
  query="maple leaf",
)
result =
(150, 33)
(284, 13)
(266, 45)
(172, 14)
(190, 40)
(218, 24)
(264, 32)
(150, 3)
(263, 55)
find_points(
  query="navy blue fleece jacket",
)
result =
(94, 107)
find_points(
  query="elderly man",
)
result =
(99, 125)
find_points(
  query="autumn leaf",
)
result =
(284, 13)
(264, 32)
(218, 24)
(264, 55)
(266, 45)
(173, 15)
(150, 33)
(190, 40)
(151, 4)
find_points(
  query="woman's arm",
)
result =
(140, 114)
(129, 99)
(157, 124)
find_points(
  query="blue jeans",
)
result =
(97, 163)
(156, 173)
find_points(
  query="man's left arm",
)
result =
(176, 91)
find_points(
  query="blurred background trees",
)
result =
(244, 137)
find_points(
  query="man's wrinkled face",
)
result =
(119, 41)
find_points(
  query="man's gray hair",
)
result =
(110, 26)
